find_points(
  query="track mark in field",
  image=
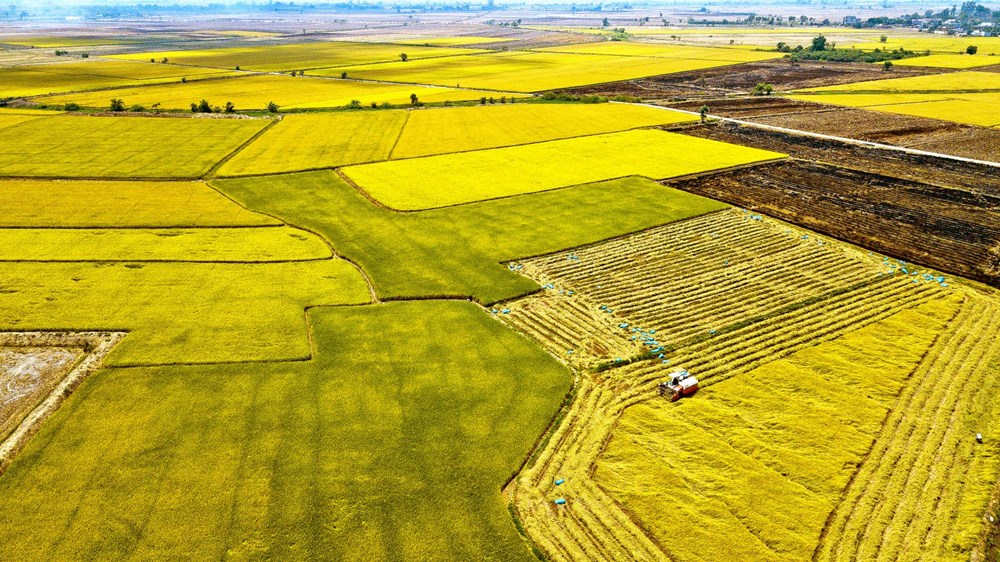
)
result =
(399, 136)
(218, 165)
(720, 295)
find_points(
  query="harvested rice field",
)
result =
(331, 282)
(810, 349)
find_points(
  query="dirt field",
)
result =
(953, 229)
(902, 130)
(740, 79)
(27, 375)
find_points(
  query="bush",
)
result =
(355, 104)
(762, 89)
(343, 75)
(201, 107)
(230, 107)
(117, 105)
(137, 108)
(85, 55)
(272, 107)
(971, 49)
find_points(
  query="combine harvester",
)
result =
(681, 383)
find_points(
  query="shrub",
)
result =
(71, 107)
(117, 105)
(272, 107)
(972, 49)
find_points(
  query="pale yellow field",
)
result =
(7, 120)
(666, 50)
(452, 179)
(524, 71)
(451, 41)
(440, 130)
(254, 92)
(74, 203)
(307, 141)
(950, 61)
(87, 75)
(969, 97)
(969, 109)
(949, 82)
(301, 56)
(937, 44)
(247, 244)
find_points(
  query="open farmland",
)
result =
(424, 183)
(962, 61)
(789, 324)
(255, 92)
(963, 97)
(385, 428)
(433, 306)
(305, 56)
(121, 147)
(526, 71)
(44, 79)
(348, 138)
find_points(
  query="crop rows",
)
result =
(592, 525)
(912, 498)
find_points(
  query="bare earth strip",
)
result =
(32, 363)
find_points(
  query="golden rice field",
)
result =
(450, 41)
(301, 56)
(809, 352)
(120, 204)
(522, 71)
(309, 141)
(962, 61)
(936, 44)
(255, 92)
(453, 179)
(44, 79)
(969, 81)
(317, 140)
(120, 147)
(963, 97)
(666, 50)
(217, 245)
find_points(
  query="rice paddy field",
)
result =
(44, 79)
(124, 147)
(438, 330)
(967, 97)
(256, 91)
(527, 71)
(306, 56)
(423, 183)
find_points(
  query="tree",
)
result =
(343, 75)
(272, 107)
(230, 108)
(972, 49)
(164, 61)
(883, 39)
(605, 23)
(117, 105)
(152, 60)
(482, 100)
(203, 106)
(403, 57)
(762, 89)
(71, 107)
(818, 43)
(355, 104)
(413, 99)
(703, 112)
(887, 66)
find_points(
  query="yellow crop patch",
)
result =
(661, 50)
(439, 131)
(300, 56)
(751, 470)
(451, 179)
(936, 44)
(317, 140)
(67, 203)
(78, 146)
(524, 71)
(239, 244)
(69, 77)
(255, 92)
(949, 61)
(969, 81)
